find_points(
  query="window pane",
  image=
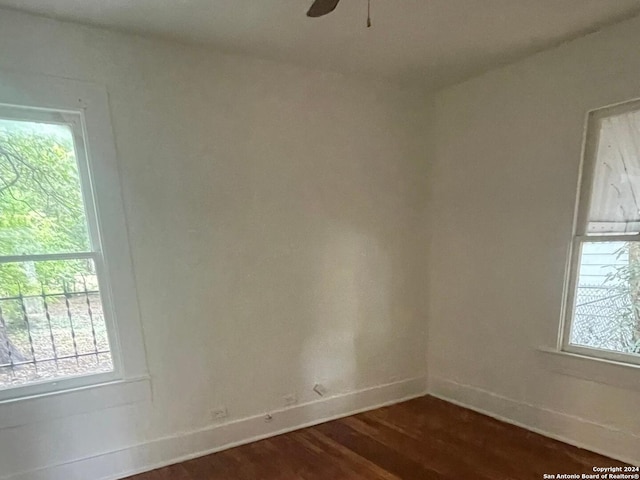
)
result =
(41, 208)
(606, 314)
(51, 322)
(615, 196)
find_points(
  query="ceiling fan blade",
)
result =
(322, 7)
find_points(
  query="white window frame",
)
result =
(84, 106)
(580, 236)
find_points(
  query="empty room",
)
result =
(319, 239)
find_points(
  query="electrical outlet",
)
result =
(290, 399)
(219, 413)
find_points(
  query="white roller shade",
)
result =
(615, 195)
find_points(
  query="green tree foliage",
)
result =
(626, 279)
(41, 208)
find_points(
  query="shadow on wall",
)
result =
(353, 313)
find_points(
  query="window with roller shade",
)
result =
(603, 314)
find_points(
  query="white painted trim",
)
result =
(609, 372)
(184, 446)
(10, 395)
(630, 359)
(47, 257)
(64, 403)
(577, 431)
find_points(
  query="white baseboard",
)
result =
(169, 450)
(582, 433)
(160, 452)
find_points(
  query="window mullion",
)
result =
(47, 257)
(607, 238)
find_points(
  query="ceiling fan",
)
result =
(320, 8)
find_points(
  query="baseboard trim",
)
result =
(185, 446)
(579, 432)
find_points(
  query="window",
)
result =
(52, 315)
(604, 289)
(68, 304)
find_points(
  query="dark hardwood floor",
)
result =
(425, 438)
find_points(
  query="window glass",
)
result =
(41, 207)
(606, 312)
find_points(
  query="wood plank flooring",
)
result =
(425, 438)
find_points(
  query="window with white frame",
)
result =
(603, 318)
(68, 304)
(52, 315)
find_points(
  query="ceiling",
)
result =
(434, 41)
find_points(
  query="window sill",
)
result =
(608, 372)
(39, 408)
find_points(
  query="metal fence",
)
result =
(603, 318)
(52, 335)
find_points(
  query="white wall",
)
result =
(277, 230)
(508, 147)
